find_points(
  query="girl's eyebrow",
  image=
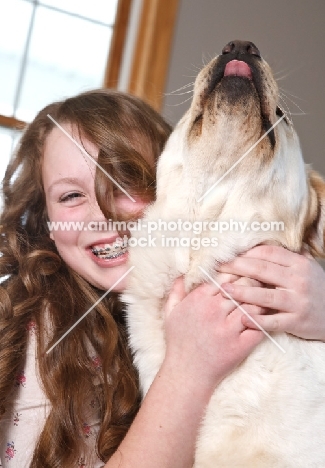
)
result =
(64, 180)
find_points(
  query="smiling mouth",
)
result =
(109, 251)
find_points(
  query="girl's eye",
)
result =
(70, 196)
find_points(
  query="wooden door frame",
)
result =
(152, 50)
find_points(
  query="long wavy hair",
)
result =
(40, 287)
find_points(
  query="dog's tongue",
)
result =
(238, 68)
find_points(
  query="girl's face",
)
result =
(68, 178)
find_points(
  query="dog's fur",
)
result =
(270, 412)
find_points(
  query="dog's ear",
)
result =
(314, 235)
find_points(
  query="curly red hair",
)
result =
(39, 286)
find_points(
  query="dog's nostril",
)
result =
(228, 48)
(241, 47)
(252, 49)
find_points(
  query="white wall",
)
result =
(291, 37)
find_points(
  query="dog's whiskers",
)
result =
(180, 89)
(286, 110)
(282, 75)
(206, 60)
(180, 103)
(196, 69)
(284, 96)
(286, 93)
(180, 94)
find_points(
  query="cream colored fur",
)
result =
(270, 412)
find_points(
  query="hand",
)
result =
(205, 341)
(204, 333)
(297, 293)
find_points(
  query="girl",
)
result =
(70, 402)
(78, 404)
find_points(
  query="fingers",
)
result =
(270, 323)
(225, 278)
(212, 287)
(261, 270)
(243, 281)
(176, 295)
(236, 314)
(272, 253)
(263, 297)
(267, 263)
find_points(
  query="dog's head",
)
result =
(236, 138)
(238, 87)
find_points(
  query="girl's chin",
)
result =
(109, 281)
(118, 288)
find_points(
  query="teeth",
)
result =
(109, 251)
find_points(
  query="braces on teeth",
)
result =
(110, 251)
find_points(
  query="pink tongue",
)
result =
(238, 68)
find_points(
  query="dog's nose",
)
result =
(241, 47)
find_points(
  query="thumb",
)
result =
(176, 295)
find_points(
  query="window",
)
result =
(50, 49)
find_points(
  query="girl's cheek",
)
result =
(124, 205)
(65, 213)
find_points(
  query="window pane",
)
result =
(67, 55)
(99, 10)
(14, 22)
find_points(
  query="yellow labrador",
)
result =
(234, 157)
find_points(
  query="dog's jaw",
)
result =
(227, 87)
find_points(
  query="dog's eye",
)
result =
(279, 112)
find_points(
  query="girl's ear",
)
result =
(51, 236)
(314, 235)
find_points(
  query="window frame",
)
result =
(151, 52)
